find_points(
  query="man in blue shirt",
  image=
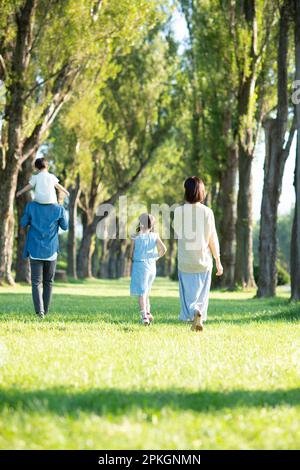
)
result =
(41, 247)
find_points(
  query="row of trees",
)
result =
(242, 60)
(48, 48)
(102, 89)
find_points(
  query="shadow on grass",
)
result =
(123, 309)
(117, 401)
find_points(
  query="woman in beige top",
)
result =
(198, 243)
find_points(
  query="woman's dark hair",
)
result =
(146, 221)
(41, 163)
(194, 190)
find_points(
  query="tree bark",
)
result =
(246, 99)
(103, 271)
(128, 259)
(8, 183)
(22, 265)
(295, 242)
(84, 258)
(227, 206)
(171, 255)
(275, 158)
(96, 258)
(244, 239)
(74, 191)
(114, 254)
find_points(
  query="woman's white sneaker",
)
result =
(197, 322)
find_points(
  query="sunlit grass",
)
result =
(90, 376)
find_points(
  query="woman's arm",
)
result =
(214, 244)
(215, 249)
(26, 188)
(161, 247)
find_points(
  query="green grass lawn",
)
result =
(90, 376)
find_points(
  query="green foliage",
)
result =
(217, 64)
(71, 46)
(283, 277)
(210, 88)
(120, 124)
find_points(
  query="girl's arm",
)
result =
(26, 188)
(61, 188)
(161, 247)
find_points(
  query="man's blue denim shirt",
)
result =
(43, 220)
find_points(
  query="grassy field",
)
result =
(89, 376)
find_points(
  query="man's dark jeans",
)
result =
(42, 277)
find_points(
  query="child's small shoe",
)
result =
(145, 319)
(151, 318)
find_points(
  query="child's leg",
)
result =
(143, 307)
(148, 303)
(143, 303)
(151, 318)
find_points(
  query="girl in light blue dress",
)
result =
(148, 247)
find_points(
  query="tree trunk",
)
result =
(275, 159)
(170, 260)
(246, 112)
(128, 259)
(268, 223)
(96, 259)
(8, 184)
(23, 265)
(84, 259)
(121, 261)
(114, 253)
(73, 205)
(103, 271)
(244, 240)
(295, 243)
(227, 206)
(10, 250)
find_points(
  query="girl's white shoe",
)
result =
(145, 319)
(151, 318)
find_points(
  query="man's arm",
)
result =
(63, 220)
(26, 217)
